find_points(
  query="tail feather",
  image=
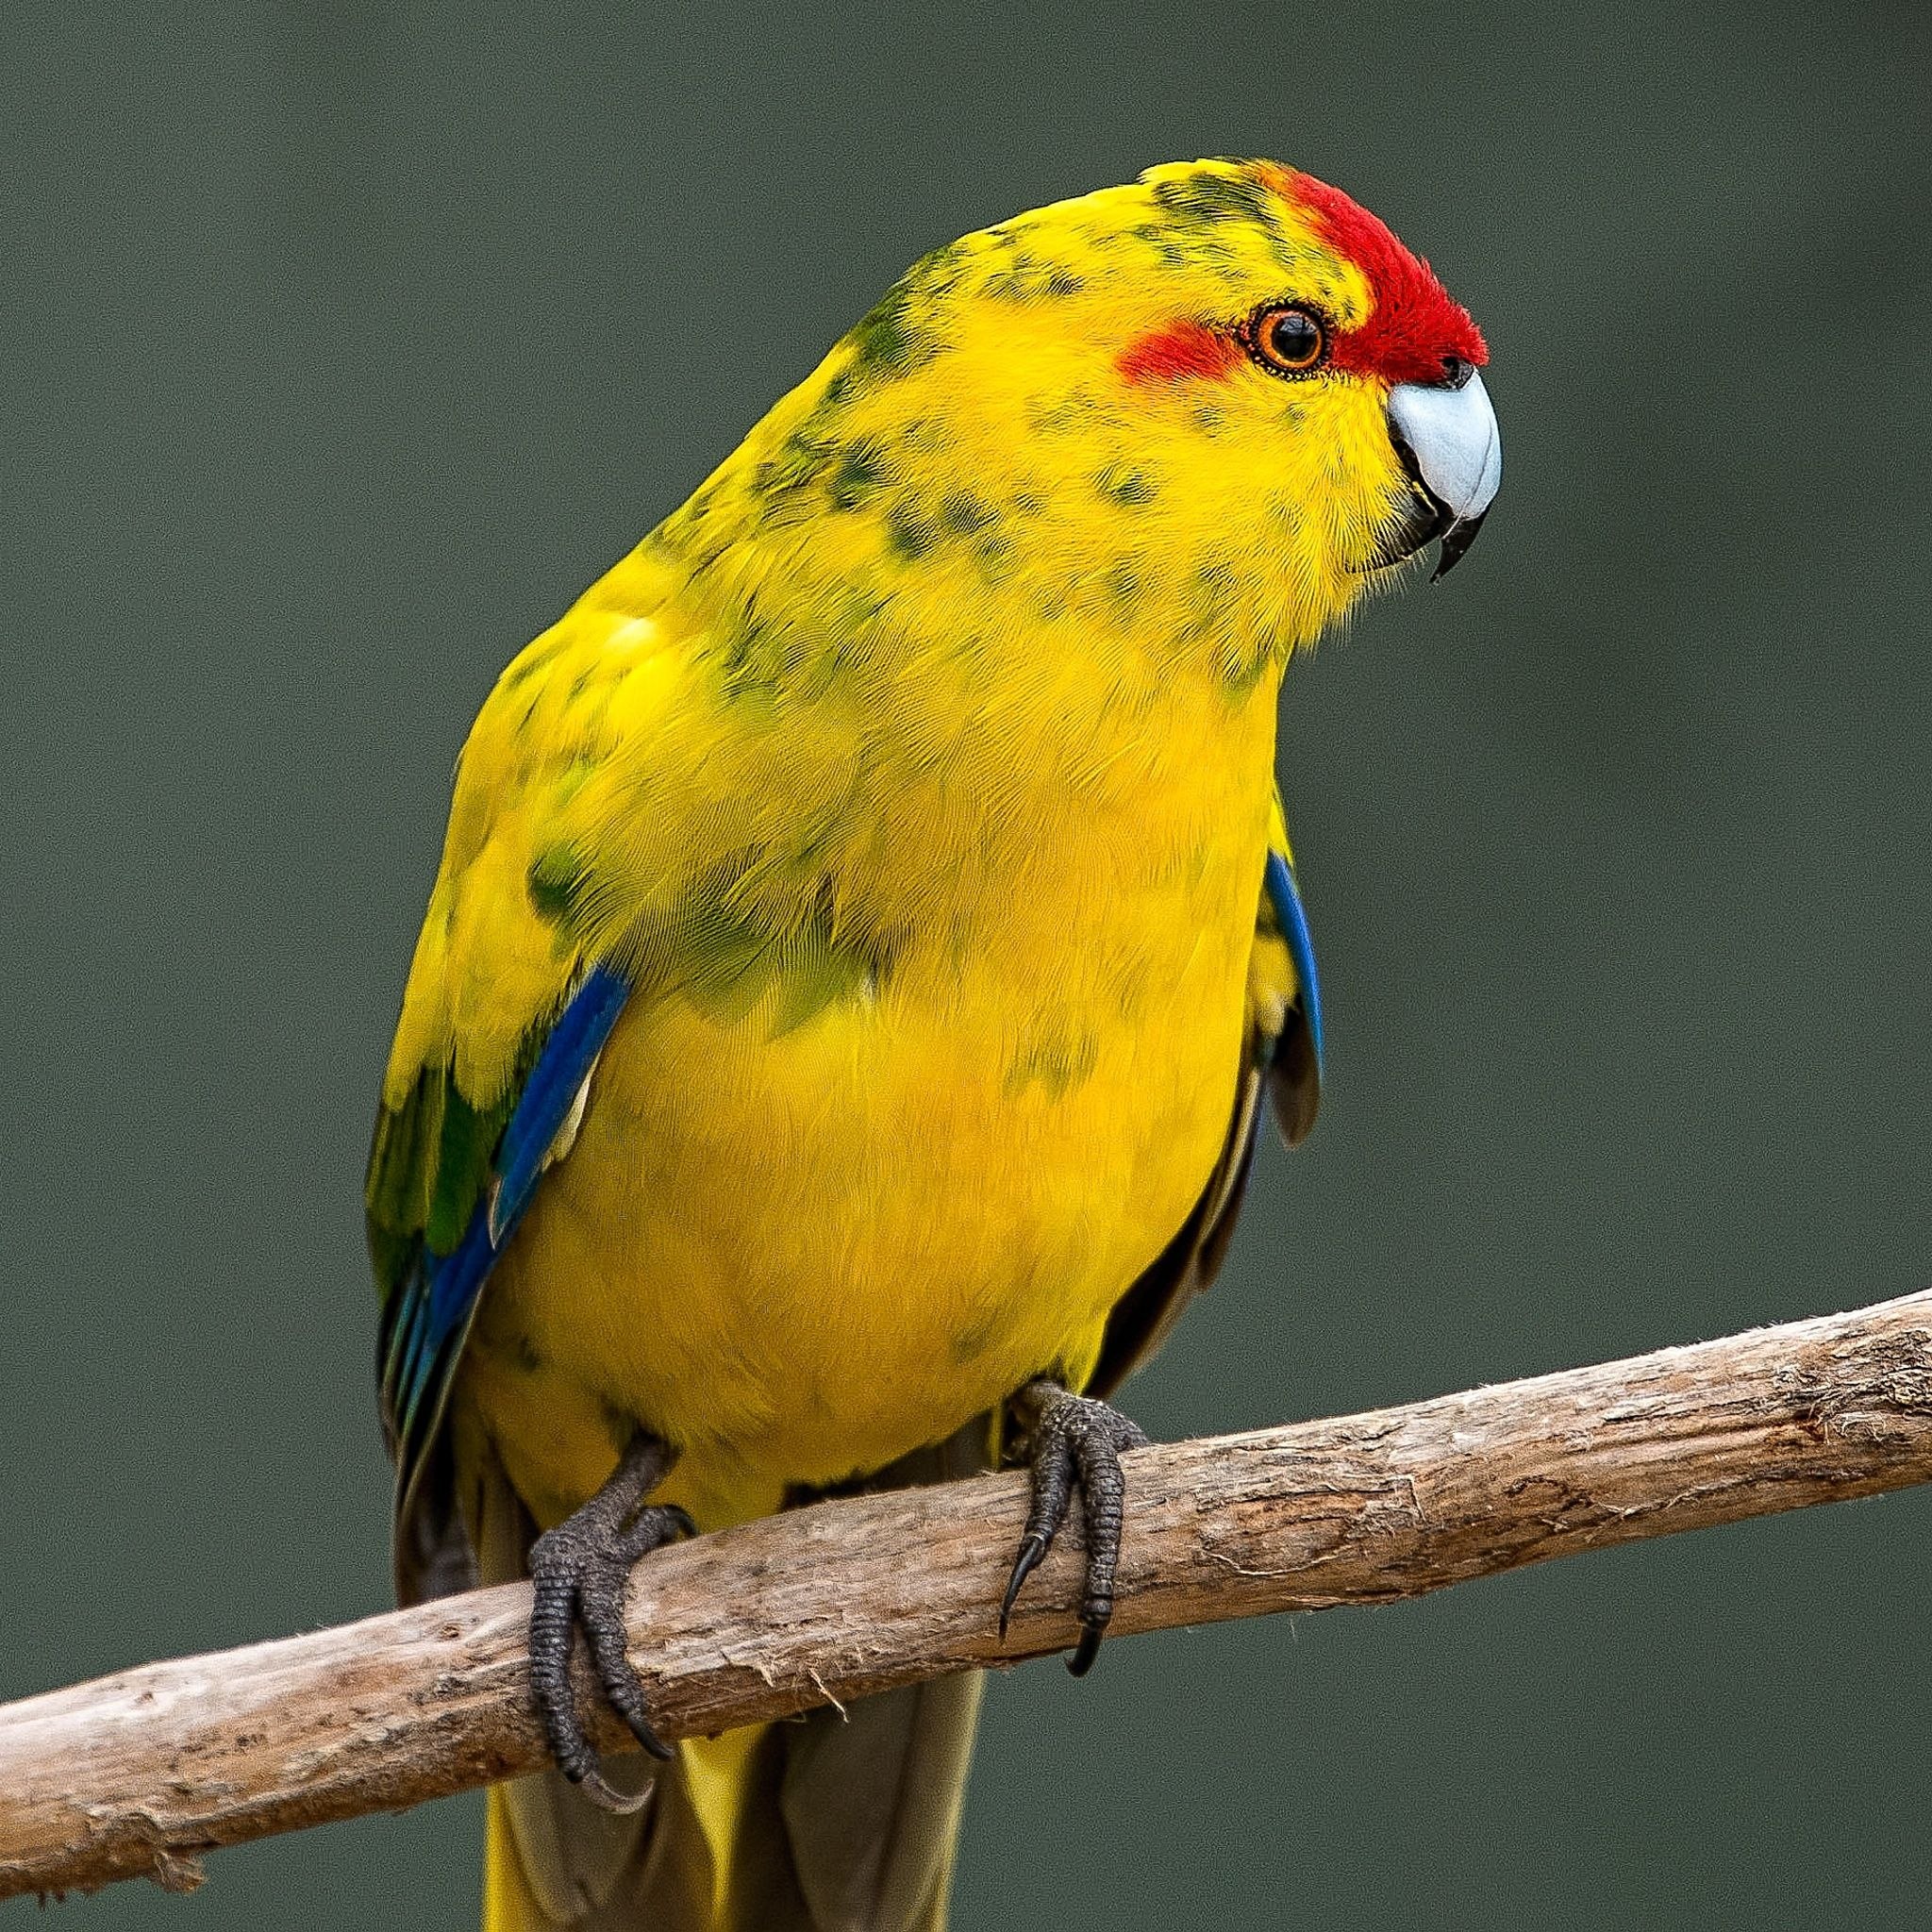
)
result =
(871, 1808)
(553, 1864)
(835, 1822)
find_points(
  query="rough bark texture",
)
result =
(138, 1774)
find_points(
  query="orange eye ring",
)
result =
(1286, 339)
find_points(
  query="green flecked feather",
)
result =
(1208, 196)
(462, 1165)
(402, 1170)
(1130, 487)
(816, 971)
(799, 461)
(555, 882)
(726, 958)
(862, 468)
(962, 514)
(911, 530)
(887, 342)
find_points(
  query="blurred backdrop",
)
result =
(344, 345)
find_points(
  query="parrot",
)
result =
(865, 942)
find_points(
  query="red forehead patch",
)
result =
(1414, 326)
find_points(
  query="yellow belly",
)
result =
(799, 1256)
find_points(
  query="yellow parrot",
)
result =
(864, 934)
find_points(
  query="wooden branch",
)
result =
(138, 1774)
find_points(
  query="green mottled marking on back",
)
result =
(795, 465)
(538, 657)
(837, 393)
(861, 470)
(853, 611)
(939, 269)
(910, 529)
(759, 659)
(1165, 246)
(1024, 277)
(1124, 483)
(1213, 596)
(1241, 668)
(962, 514)
(817, 970)
(1063, 414)
(1284, 521)
(555, 882)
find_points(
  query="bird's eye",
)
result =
(1289, 341)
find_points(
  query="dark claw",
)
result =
(1032, 1548)
(1076, 1443)
(579, 1570)
(1087, 1649)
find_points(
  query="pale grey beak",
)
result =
(1447, 438)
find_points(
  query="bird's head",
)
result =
(1211, 405)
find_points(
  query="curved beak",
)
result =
(1446, 434)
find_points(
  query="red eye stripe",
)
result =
(1180, 349)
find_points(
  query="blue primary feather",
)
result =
(1279, 882)
(439, 1300)
(573, 1046)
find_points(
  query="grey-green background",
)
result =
(344, 344)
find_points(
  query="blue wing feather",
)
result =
(568, 1055)
(1293, 921)
(428, 1317)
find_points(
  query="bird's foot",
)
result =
(579, 1570)
(1074, 1443)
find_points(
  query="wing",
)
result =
(448, 1182)
(1280, 1053)
(619, 822)
(505, 1011)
